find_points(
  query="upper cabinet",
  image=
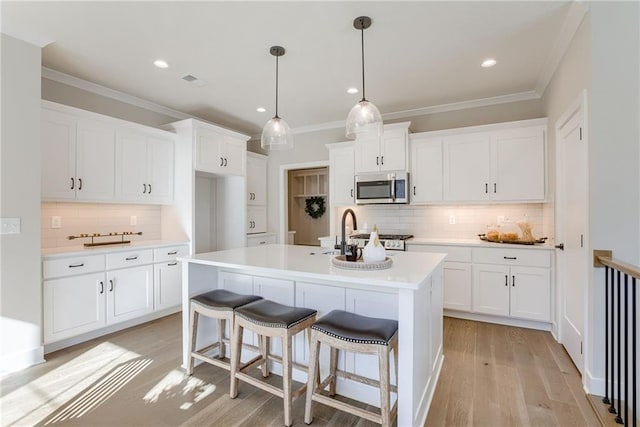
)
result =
(503, 162)
(341, 174)
(385, 153)
(144, 167)
(78, 157)
(256, 179)
(91, 157)
(220, 152)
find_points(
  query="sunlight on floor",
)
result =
(169, 385)
(29, 404)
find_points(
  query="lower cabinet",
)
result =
(261, 239)
(129, 293)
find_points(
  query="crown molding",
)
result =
(79, 83)
(575, 15)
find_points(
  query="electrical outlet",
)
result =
(133, 220)
(56, 222)
(10, 226)
(500, 219)
(452, 219)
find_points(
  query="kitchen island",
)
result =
(410, 292)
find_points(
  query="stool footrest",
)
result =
(346, 407)
(364, 380)
(260, 384)
(221, 363)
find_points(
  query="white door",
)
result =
(572, 181)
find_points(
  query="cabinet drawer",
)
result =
(72, 266)
(129, 259)
(508, 256)
(257, 239)
(169, 253)
(454, 253)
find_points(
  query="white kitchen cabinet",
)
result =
(78, 157)
(256, 219)
(219, 153)
(341, 174)
(385, 153)
(457, 285)
(144, 167)
(167, 276)
(491, 289)
(495, 164)
(261, 239)
(256, 179)
(426, 170)
(129, 293)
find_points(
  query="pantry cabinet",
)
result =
(387, 152)
(219, 152)
(256, 179)
(341, 174)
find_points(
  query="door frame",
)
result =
(284, 192)
(578, 106)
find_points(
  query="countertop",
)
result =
(409, 269)
(96, 250)
(441, 241)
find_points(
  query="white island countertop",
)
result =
(408, 270)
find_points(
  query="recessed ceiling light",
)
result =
(487, 63)
(352, 90)
(160, 63)
(261, 109)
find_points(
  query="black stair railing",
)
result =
(620, 337)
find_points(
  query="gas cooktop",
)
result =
(389, 241)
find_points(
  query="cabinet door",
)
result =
(240, 284)
(341, 175)
(367, 154)
(531, 293)
(491, 289)
(457, 286)
(160, 158)
(234, 153)
(131, 166)
(73, 305)
(208, 152)
(129, 293)
(517, 165)
(466, 167)
(95, 161)
(256, 181)
(256, 219)
(58, 152)
(393, 151)
(167, 285)
(426, 171)
(280, 291)
(437, 317)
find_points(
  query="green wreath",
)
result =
(315, 207)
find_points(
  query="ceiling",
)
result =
(418, 54)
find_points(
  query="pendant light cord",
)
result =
(362, 45)
(276, 116)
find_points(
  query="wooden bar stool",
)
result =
(351, 332)
(219, 304)
(269, 319)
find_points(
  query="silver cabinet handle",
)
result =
(76, 265)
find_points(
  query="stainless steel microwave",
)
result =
(385, 188)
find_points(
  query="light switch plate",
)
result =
(133, 220)
(10, 226)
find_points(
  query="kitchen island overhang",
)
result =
(410, 291)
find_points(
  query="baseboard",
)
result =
(18, 361)
(521, 323)
(594, 385)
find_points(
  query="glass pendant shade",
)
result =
(276, 135)
(364, 117)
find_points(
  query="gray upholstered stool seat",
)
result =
(355, 333)
(269, 319)
(220, 305)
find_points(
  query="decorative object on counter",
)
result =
(276, 134)
(486, 238)
(352, 252)
(364, 115)
(315, 207)
(508, 231)
(526, 230)
(341, 261)
(112, 242)
(374, 251)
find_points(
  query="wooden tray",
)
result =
(341, 262)
(514, 242)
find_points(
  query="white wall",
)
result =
(20, 285)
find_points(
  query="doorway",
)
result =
(308, 209)
(571, 226)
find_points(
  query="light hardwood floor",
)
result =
(493, 375)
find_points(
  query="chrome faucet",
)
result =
(343, 243)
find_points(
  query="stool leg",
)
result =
(395, 360)
(313, 375)
(286, 376)
(236, 348)
(333, 367)
(221, 348)
(383, 357)
(193, 325)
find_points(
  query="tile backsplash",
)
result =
(89, 218)
(434, 221)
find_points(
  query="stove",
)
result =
(394, 242)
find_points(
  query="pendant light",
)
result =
(364, 116)
(276, 134)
